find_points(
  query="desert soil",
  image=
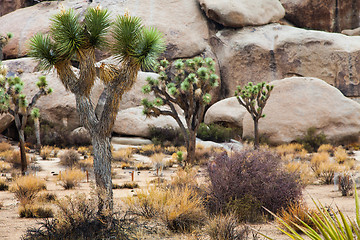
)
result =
(12, 227)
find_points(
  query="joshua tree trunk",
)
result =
(256, 133)
(37, 133)
(102, 169)
(20, 125)
(191, 147)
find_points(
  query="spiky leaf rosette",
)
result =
(43, 50)
(97, 23)
(35, 113)
(135, 43)
(68, 33)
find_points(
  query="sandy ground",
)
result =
(12, 227)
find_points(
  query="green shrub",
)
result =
(312, 140)
(247, 209)
(166, 136)
(217, 133)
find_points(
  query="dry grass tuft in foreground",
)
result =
(26, 188)
(71, 178)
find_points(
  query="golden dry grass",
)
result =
(45, 152)
(291, 148)
(123, 155)
(26, 188)
(4, 146)
(184, 178)
(13, 157)
(5, 166)
(326, 148)
(319, 158)
(71, 178)
(340, 155)
(304, 171)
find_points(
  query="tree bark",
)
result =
(37, 133)
(256, 133)
(191, 147)
(22, 152)
(102, 170)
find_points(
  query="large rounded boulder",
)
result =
(297, 104)
(227, 110)
(240, 13)
(274, 51)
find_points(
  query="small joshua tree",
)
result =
(253, 98)
(3, 41)
(14, 102)
(188, 87)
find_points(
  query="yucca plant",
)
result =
(134, 45)
(35, 114)
(13, 101)
(328, 225)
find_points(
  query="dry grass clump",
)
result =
(3, 185)
(340, 155)
(71, 178)
(302, 169)
(318, 158)
(149, 150)
(179, 209)
(123, 155)
(184, 178)
(45, 152)
(13, 157)
(46, 197)
(5, 166)
(142, 166)
(26, 188)
(128, 185)
(4, 146)
(35, 211)
(291, 148)
(69, 158)
(223, 227)
(326, 148)
(295, 214)
(86, 163)
(323, 168)
(85, 151)
(158, 161)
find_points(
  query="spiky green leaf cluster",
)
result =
(42, 83)
(254, 97)
(97, 22)
(133, 41)
(35, 113)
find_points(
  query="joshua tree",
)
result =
(14, 102)
(253, 98)
(188, 87)
(3, 41)
(35, 114)
(70, 38)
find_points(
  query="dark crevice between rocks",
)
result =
(336, 27)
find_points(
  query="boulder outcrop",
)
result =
(297, 104)
(227, 110)
(240, 13)
(133, 122)
(327, 15)
(276, 51)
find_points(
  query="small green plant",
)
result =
(312, 140)
(254, 98)
(180, 157)
(217, 133)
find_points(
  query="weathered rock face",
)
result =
(296, 104)
(5, 121)
(327, 15)
(133, 122)
(239, 13)
(275, 51)
(8, 6)
(184, 26)
(228, 110)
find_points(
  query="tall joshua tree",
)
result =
(70, 38)
(14, 102)
(254, 97)
(188, 87)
